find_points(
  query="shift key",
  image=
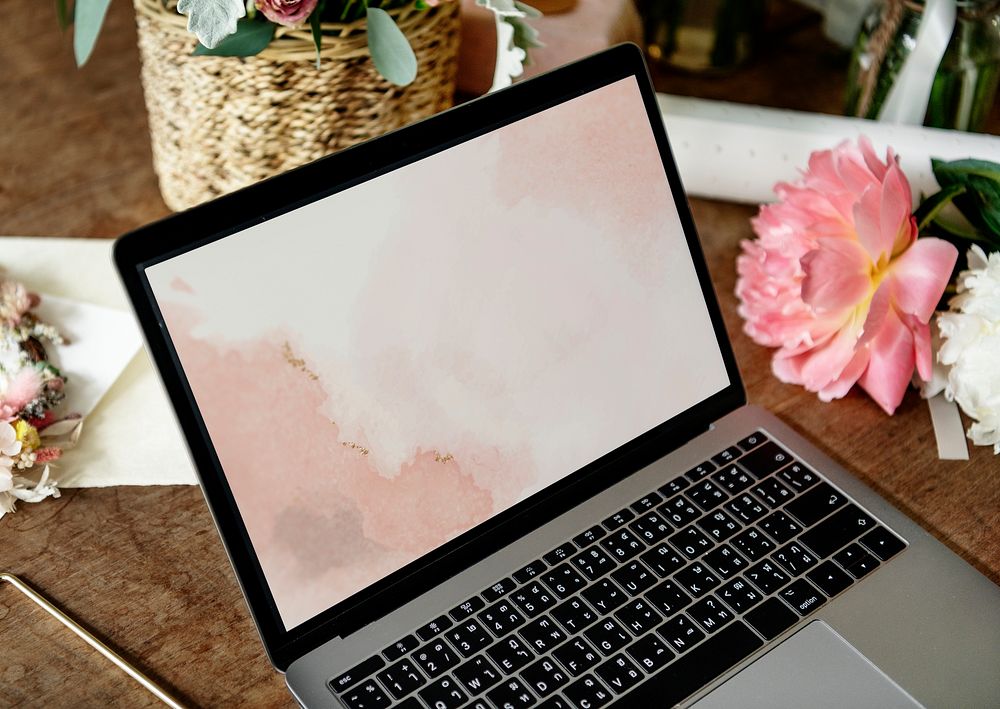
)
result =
(844, 526)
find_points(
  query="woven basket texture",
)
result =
(221, 123)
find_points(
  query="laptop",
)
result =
(466, 416)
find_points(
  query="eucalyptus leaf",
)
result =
(250, 38)
(212, 20)
(88, 16)
(528, 10)
(390, 49)
(502, 8)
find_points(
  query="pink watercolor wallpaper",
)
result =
(384, 369)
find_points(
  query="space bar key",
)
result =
(679, 680)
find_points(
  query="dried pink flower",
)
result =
(289, 13)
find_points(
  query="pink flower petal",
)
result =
(877, 167)
(898, 230)
(919, 276)
(836, 275)
(868, 224)
(890, 365)
(848, 377)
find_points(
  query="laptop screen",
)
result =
(387, 367)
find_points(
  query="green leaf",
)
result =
(212, 20)
(956, 170)
(390, 49)
(315, 21)
(957, 233)
(88, 16)
(63, 14)
(250, 38)
(930, 206)
(528, 10)
(980, 203)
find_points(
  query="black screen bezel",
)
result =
(137, 250)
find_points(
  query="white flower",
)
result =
(970, 346)
(9, 447)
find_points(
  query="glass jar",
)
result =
(965, 85)
(703, 36)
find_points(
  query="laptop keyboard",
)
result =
(651, 604)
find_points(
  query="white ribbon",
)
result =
(910, 93)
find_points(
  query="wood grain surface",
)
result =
(144, 568)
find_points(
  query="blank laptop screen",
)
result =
(387, 367)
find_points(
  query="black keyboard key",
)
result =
(638, 617)
(469, 637)
(604, 596)
(622, 545)
(692, 671)
(765, 459)
(464, 610)
(856, 560)
(401, 647)
(706, 494)
(843, 526)
(798, 477)
(401, 678)
(747, 508)
(739, 594)
(435, 627)
(608, 636)
(574, 615)
(650, 527)
(498, 590)
(752, 543)
(771, 618)
(563, 581)
(674, 486)
(719, 525)
(510, 694)
(478, 674)
(650, 653)
(593, 562)
(618, 519)
(634, 578)
(435, 657)
(542, 634)
(830, 578)
(533, 598)
(588, 537)
(725, 561)
(544, 677)
(691, 542)
(773, 492)
(733, 479)
(752, 441)
(699, 471)
(710, 613)
(727, 456)
(767, 576)
(559, 554)
(662, 559)
(501, 618)
(812, 506)
(357, 673)
(646, 503)
(530, 571)
(550, 703)
(780, 526)
(577, 656)
(510, 654)
(680, 511)
(619, 673)
(795, 558)
(444, 694)
(883, 543)
(409, 703)
(802, 596)
(680, 633)
(367, 695)
(697, 579)
(587, 692)
(668, 597)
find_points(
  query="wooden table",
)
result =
(144, 567)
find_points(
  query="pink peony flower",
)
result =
(286, 12)
(838, 281)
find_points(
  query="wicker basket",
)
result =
(221, 123)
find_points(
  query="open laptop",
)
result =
(466, 416)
